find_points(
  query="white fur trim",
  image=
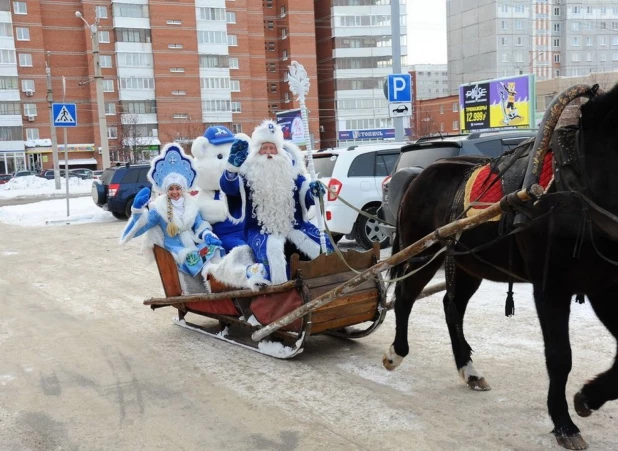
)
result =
(232, 269)
(297, 156)
(133, 226)
(152, 237)
(174, 179)
(231, 168)
(188, 218)
(302, 194)
(267, 132)
(243, 202)
(212, 210)
(204, 226)
(275, 253)
(304, 243)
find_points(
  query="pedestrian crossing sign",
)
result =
(65, 114)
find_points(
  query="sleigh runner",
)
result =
(239, 313)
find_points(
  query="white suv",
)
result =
(356, 174)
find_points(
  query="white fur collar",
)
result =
(188, 219)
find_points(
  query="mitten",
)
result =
(211, 239)
(317, 189)
(238, 155)
(141, 198)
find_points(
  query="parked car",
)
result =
(417, 156)
(117, 187)
(356, 175)
(4, 178)
(49, 174)
(24, 173)
(83, 173)
(97, 174)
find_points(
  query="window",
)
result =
(575, 57)
(519, 41)
(112, 132)
(10, 133)
(588, 56)
(110, 108)
(132, 35)
(216, 105)
(556, 11)
(272, 88)
(557, 58)
(603, 10)
(455, 107)
(136, 83)
(236, 107)
(134, 59)
(214, 61)
(27, 85)
(233, 63)
(603, 57)
(557, 27)
(139, 107)
(101, 12)
(6, 30)
(32, 133)
(284, 55)
(589, 10)
(505, 57)
(455, 125)
(179, 93)
(556, 42)
(602, 40)
(576, 26)
(577, 9)
(363, 166)
(180, 116)
(104, 37)
(130, 10)
(235, 85)
(212, 14)
(230, 17)
(108, 85)
(237, 128)
(270, 25)
(105, 61)
(174, 46)
(232, 40)
(212, 37)
(177, 69)
(283, 12)
(603, 26)
(575, 41)
(10, 108)
(29, 109)
(503, 25)
(215, 83)
(23, 34)
(20, 8)
(25, 60)
(284, 33)
(589, 41)
(519, 25)
(270, 46)
(441, 109)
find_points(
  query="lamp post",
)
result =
(54, 140)
(299, 85)
(98, 78)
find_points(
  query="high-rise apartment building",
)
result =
(431, 80)
(355, 55)
(169, 70)
(549, 38)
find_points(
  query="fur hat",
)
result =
(267, 132)
(172, 166)
(174, 179)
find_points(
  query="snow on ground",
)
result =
(20, 187)
(54, 212)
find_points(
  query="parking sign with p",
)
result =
(400, 88)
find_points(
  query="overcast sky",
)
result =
(426, 31)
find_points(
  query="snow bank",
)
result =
(32, 185)
(54, 212)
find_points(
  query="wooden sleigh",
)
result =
(355, 314)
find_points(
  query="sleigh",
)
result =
(233, 315)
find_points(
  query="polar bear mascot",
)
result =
(238, 268)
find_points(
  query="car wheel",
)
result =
(119, 215)
(127, 208)
(368, 230)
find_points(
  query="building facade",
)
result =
(431, 80)
(549, 38)
(170, 69)
(355, 55)
(438, 116)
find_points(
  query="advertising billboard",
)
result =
(291, 123)
(503, 103)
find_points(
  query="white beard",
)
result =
(271, 182)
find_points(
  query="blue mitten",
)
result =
(238, 155)
(141, 198)
(317, 189)
(211, 239)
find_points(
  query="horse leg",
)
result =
(604, 387)
(553, 310)
(465, 286)
(406, 292)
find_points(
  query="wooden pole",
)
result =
(426, 242)
(208, 297)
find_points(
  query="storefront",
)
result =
(11, 162)
(40, 155)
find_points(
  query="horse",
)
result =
(567, 246)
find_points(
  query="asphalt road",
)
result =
(85, 366)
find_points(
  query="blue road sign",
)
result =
(400, 88)
(65, 114)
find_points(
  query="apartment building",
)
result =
(170, 69)
(549, 38)
(431, 80)
(355, 55)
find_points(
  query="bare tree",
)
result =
(130, 134)
(185, 132)
(426, 125)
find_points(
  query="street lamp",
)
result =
(98, 78)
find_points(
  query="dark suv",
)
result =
(417, 156)
(117, 187)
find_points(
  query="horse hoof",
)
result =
(573, 442)
(391, 360)
(478, 384)
(581, 405)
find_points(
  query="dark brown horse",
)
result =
(567, 247)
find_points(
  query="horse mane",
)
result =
(597, 110)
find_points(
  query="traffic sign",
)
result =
(400, 109)
(400, 88)
(65, 114)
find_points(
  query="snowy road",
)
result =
(84, 365)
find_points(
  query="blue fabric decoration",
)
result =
(171, 160)
(238, 153)
(218, 134)
(211, 240)
(141, 198)
(317, 189)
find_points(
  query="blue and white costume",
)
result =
(176, 225)
(276, 196)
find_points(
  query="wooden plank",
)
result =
(344, 311)
(315, 292)
(356, 298)
(342, 322)
(168, 272)
(330, 279)
(326, 265)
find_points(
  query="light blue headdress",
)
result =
(172, 167)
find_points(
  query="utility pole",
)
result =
(396, 40)
(54, 140)
(98, 78)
